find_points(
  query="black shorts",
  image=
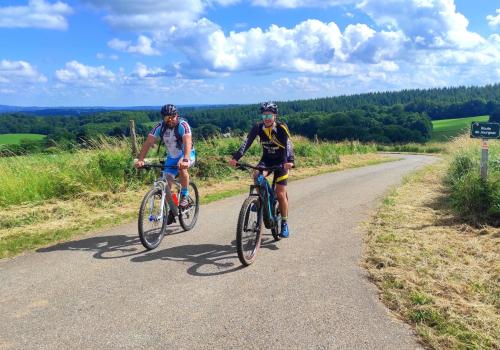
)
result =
(280, 176)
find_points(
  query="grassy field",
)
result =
(435, 265)
(446, 129)
(475, 200)
(15, 139)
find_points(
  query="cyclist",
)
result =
(175, 132)
(276, 150)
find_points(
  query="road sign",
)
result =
(485, 130)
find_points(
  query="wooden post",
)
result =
(484, 160)
(133, 139)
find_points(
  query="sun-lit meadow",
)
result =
(432, 248)
(14, 139)
(445, 130)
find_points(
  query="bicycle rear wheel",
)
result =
(249, 230)
(189, 215)
(152, 225)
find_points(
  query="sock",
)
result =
(284, 218)
(184, 192)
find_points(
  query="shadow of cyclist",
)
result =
(107, 247)
(206, 259)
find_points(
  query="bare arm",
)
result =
(188, 143)
(150, 141)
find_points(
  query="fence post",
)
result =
(484, 160)
(133, 138)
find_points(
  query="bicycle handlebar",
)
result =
(158, 166)
(242, 166)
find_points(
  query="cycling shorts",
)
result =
(280, 175)
(172, 162)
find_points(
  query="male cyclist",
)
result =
(176, 134)
(276, 150)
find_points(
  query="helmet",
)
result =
(269, 107)
(168, 110)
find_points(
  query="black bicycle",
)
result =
(261, 206)
(160, 207)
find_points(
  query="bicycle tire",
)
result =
(252, 242)
(193, 208)
(276, 230)
(151, 237)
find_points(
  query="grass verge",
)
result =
(438, 274)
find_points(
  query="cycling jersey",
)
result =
(276, 144)
(172, 137)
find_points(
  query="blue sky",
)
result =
(149, 52)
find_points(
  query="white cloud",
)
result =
(143, 71)
(76, 73)
(149, 14)
(300, 3)
(37, 14)
(494, 21)
(19, 72)
(102, 56)
(429, 23)
(143, 46)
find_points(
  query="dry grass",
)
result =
(26, 227)
(437, 273)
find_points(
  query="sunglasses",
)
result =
(267, 116)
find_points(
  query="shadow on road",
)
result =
(107, 247)
(205, 259)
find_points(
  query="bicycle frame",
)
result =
(266, 193)
(163, 184)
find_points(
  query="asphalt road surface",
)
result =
(307, 292)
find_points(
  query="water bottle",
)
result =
(175, 199)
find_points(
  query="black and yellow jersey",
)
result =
(276, 143)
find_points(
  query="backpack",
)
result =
(177, 134)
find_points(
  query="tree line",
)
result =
(386, 117)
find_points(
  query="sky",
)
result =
(151, 52)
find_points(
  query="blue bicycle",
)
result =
(261, 206)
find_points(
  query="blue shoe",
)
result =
(253, 208)
(284, 230)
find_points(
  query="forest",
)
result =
(383, 117)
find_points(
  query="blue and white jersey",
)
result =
(172, 137)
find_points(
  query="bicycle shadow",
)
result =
(107, 247)
(206, 259)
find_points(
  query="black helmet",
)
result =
(269, 107)
(168, 110)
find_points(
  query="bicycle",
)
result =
(160, 207)
(261, 206)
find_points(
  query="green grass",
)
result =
(107, 167)
(473, 198)
(446, 129)
(15, 139)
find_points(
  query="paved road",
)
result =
(306, 292)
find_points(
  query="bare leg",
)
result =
(282, 195)
(184, 178)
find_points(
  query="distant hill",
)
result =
(76, 111)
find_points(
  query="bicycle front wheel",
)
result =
(249, 230)
(189, 215)
(152, 224)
